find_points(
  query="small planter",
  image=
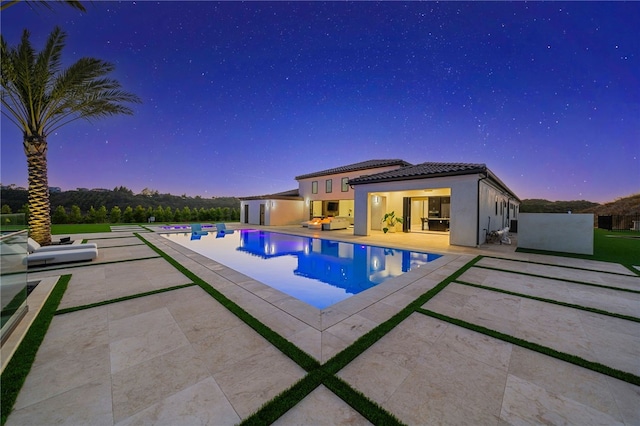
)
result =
(390, 221)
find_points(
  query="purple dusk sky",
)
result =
(239, 98)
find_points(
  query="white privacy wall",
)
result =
(569, 233)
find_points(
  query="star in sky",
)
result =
(241, 97)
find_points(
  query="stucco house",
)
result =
(463, 200)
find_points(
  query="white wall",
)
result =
(464, 196)
(284, 212)
(362, 219)
(254, 211)
(568, 233)
(489, 219)
(464, 210)
(276, 213)
(304, 185)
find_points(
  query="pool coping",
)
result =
(320, 332)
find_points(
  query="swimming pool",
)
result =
(317, 271)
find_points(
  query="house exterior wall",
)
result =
(254, 211)
(568, 233)
(375, 199)
(285, 212)
(304, 185)
(496, 209)
(276, 212)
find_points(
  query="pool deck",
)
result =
(180, 357)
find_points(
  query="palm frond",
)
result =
(73, 3)
(41, 96)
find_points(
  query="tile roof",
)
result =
(364, 165)
(292, 194)
(420, 171)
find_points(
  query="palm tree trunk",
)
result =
(35, 147)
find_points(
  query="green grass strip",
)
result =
(347, 355)
(632, 269)
(285, 401)
(110, 237)
(573, 359)
(620, 258)
(359, 402)
(121, 299)
(281, 404)
(16, 371)
(527, 274)
(555, 302)
(300, 357)
(35, 269)
(562, 266)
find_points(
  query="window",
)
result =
(345, 184)
(328, 186)
(314, 187)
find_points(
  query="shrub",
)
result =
(139, 214)
(59, 216)
(75, 216)
(127, 216)
(115, 215)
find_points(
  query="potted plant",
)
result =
(390, 220)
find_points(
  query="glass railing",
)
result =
(13, 280)
(12, 222)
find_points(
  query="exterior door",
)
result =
(246, 213)
(406, 214)
(261, 214)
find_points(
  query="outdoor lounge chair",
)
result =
(222, 229)
(34, 247)
(38, 255)
(197, 232)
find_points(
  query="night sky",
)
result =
(239, 98)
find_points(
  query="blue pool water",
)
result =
(317, 271)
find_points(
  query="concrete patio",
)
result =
(181, 358)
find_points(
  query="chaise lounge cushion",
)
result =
(34, 247)
(46, 257)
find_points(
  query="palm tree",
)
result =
(40, 97)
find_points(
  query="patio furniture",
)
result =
(335, 223)
(38, 255)
(314, 223)
(222, 229)
(34, 247)
(197, 232)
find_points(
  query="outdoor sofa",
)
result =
(336, 223)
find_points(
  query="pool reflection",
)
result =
(352, 267)
(317, 271)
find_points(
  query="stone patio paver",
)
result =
(594, 277)
(203, 403)
(560, 328)
(182, 358)
(610, 300)
(323, 408)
